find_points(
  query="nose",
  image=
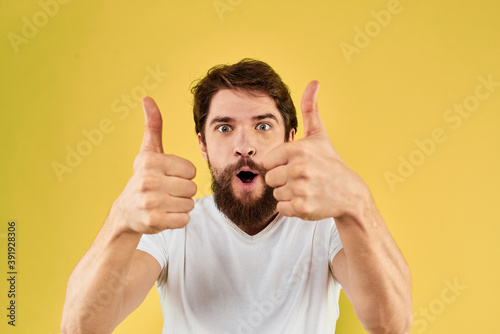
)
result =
(243, 147)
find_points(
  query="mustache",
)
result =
(247, 162)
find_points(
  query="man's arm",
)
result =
(109, 282)
(113, 278)
(312, 182)
(374, 274)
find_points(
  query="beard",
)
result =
(248, 211)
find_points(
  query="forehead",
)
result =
(241, 105)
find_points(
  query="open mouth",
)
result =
(246, 176)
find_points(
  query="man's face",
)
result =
(241, 127)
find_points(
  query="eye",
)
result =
(224, 128)
(263, 127)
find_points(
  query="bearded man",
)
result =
(288, 225)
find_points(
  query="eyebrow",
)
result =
(227, 119)
(264, 116)
(221, 120)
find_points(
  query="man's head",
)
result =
(248, 75)
(242, 112)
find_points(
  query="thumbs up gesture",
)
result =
(311, 180)
(159, 194)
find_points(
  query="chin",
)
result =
(247, 196)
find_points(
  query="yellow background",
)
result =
(63, 80)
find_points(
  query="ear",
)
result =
(203, 148)
(291, 137)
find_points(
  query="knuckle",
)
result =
(153, 222)
(300, 207)
(147, 183)
(179, 220)
(300, 191)
(301, 171)
(149, 203)
(304, 189)
(151, 160)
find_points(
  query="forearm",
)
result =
(379, 278)
(96, 287)
(101, 291)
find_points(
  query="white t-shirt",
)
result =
(217, 279)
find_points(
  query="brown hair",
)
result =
(249, 75)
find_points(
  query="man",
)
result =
(288, 224)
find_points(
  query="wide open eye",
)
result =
(246, 177)
(263, 126)
(224, 128)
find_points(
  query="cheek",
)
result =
(216, 155)
(215, 150)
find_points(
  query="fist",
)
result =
(309, 178)
(159, 194)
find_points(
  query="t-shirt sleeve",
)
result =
(156, 246)
(335, 242)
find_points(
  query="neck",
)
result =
(253, 229)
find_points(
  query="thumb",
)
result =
(310, 113)
(152, 126)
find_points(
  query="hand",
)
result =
(159, 194)
(311, 181)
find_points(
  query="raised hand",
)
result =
(311, 180)
(159, 194)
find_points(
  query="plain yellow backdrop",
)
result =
(394, 75)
